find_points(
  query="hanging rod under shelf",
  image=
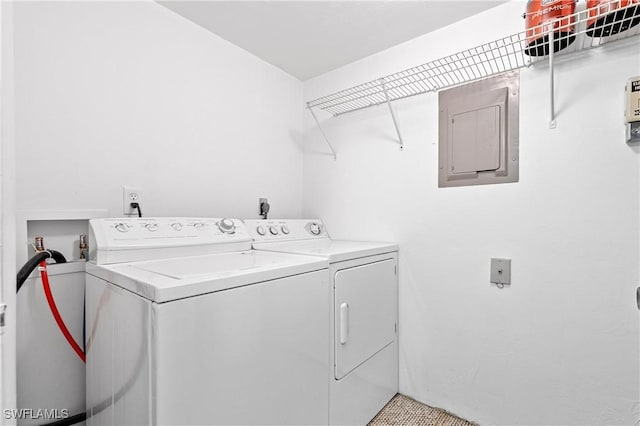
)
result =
(483, 61)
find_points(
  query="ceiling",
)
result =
(309, 38)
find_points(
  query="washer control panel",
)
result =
(121, 234)
(285, 229)
(167, 227)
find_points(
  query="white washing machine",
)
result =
(363, 375)
(186, 325)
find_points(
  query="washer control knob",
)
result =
(122, 227)
(227, 226)
(273, 229)
(177, 226)
(284, 229)
(152, 227)
(260, 230)
(315, 228)
(199, 226)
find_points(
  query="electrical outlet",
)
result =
(130, 195)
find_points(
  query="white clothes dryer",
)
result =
(186, 325)
(363, 374)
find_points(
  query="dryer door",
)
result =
(365, 313)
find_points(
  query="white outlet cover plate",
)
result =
(128, 198)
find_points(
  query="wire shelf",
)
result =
(592, 27)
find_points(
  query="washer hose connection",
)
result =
(39, 260)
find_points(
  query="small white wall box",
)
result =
(632, 109)
(478, 132)
(500, 271)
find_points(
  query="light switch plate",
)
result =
(501, 271)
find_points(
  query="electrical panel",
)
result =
(478, 132)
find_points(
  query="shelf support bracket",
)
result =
(333, 152)
(552, 122)
(393, 115)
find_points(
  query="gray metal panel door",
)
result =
(365, 313)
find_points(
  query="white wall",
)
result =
(7, 212)
(129, 93)
(561, 344)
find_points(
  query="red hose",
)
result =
(56, 314)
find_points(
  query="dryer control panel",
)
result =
(285, 229)
(114, 240)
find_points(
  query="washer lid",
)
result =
(334, 250)
(203, 266)
(178, 278)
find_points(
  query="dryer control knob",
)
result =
(273, 230)
(284, 229)
(122, 227)
(227, 226)
(260, 230)
(315, 228)
(152, 227)
(177, 226)
(199, 226)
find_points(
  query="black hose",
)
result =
(107, 402)
(33, 263)
(137, 206)
(72, 420)
(22, 276)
